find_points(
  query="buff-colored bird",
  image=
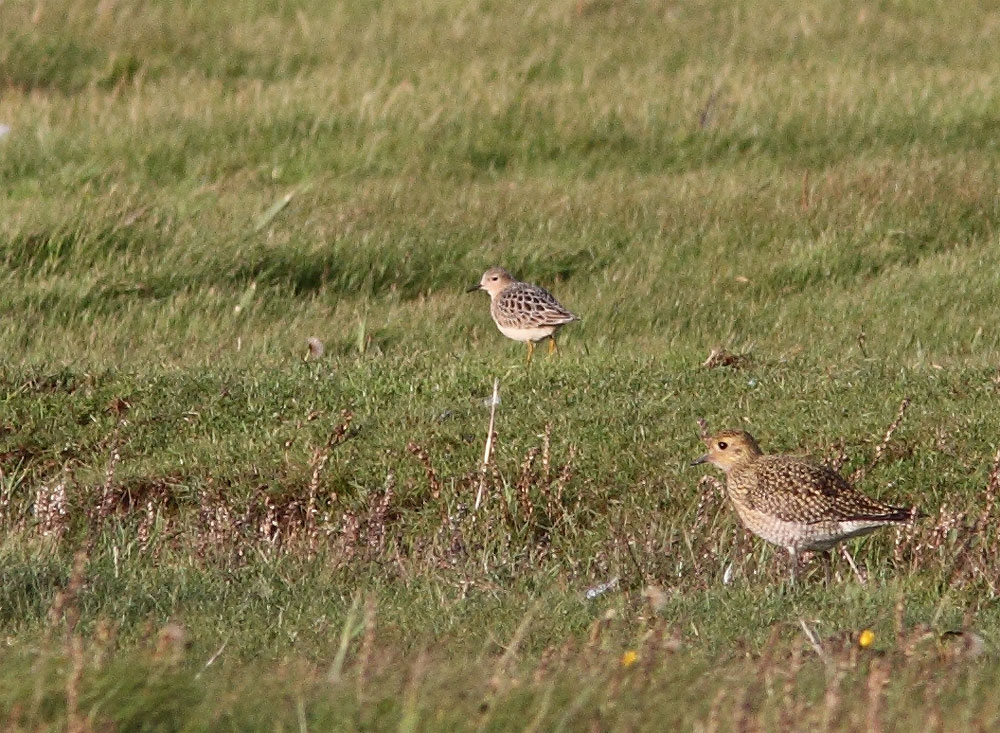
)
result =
(521, 311)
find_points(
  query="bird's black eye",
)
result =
(723, 445)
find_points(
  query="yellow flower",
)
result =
(629, 658)
(865, 638)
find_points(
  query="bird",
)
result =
(791, 501)
(522, 311)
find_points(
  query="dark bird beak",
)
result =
(474, 288)
(699, 461)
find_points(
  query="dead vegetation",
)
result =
(721, 357)
(432, 522)
(428, 522)
(422, 520)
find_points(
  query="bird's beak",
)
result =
(474, 288)
(699, 461)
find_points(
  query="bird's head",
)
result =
(493, 281)
(729, 449)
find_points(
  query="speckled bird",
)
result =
(521, 311)
(791, 501)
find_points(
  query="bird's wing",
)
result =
(529, 305)
(799, 490)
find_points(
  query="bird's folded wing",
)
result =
(800, 491)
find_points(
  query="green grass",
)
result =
(812, 187)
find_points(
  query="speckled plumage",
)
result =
(521, 305)
(521, 311)
(791, 501)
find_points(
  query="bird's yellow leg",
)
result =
(531, 350)
(552, 345)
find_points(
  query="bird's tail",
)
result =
(904, 514)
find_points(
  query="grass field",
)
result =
(200, 530)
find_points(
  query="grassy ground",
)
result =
(200, 530)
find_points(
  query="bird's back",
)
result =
(528, 306)
(792, 489)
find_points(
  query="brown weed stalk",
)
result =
(52, 509)
(965, 562)
(377, 516)
(107, 502)
(319, 460)
(433, 481)
(524, 482)
(859, 474)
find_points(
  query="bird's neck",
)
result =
(738, 468)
